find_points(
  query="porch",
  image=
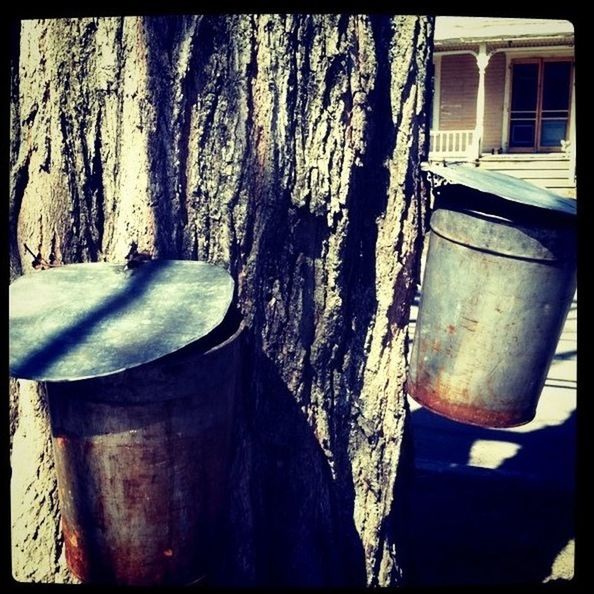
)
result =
(504, 98)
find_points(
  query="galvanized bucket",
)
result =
(142, 459)
(142, 370)
(499, 280)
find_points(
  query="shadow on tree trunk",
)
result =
(302, 535)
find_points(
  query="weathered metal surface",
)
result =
(87, 320)
(505, 186)
(544, 240)
(495, 296)
(142, 471)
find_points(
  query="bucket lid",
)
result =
(80, 321)
(504, 186)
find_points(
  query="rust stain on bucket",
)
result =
(443, 402)
(142, 471)
(75, 554)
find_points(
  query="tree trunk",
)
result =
(287, 149)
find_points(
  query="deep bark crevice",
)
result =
(18, 184)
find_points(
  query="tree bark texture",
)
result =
(286, 149)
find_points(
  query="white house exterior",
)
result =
(504, 97)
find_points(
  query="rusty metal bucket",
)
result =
(142, 458)
(499, 280)
(142, 371)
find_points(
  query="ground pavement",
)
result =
(496, 506)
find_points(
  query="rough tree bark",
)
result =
(287, 149)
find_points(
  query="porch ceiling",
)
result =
(460, 32)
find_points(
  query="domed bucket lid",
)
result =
(504, 186)
(81, 321)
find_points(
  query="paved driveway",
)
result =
(496, 506)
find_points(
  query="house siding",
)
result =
(459, 86)
(458, 89)
(551, 171)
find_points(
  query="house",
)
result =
(504, 97)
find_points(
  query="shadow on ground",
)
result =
(479, 526)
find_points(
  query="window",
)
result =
(540, 101)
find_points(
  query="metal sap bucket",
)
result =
(141, 454)
(499, 279)
(142, 459)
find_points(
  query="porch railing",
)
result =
(452, 143)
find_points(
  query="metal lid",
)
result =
(87, 320)
(504, 186)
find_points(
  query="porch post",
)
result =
(482, 59)
(572, 139)
(436, 91)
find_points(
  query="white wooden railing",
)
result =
(452, 143)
